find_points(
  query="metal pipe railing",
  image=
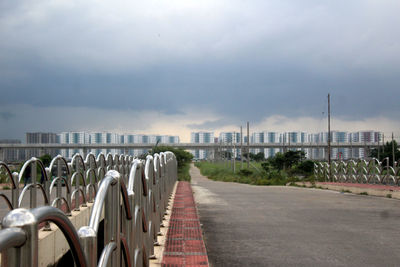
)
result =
(26, 254)
(142, 187)
(362, 171)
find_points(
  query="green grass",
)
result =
(183, 172)
(346, 191)
(364, 193)
(224, 172)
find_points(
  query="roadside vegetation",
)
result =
(183, 157)
(281, 169)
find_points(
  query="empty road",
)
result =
(286, 226)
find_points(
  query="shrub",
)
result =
(245, 172)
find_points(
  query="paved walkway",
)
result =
(184, 244)
(246, 225)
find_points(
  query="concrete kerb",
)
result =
(353, 189)
(159, 249)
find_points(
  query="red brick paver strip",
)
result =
(184, 244)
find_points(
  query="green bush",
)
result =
(245, 172)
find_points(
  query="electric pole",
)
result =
(241, 147)
(329, 136)
(394, 160)
(248, 146)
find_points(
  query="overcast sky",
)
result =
(171, 67)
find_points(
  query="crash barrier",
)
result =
(361, 171)
(131, 193)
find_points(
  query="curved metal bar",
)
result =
(91, 171)
(9, 174)
(11, 238)
(73, 178)
(10, 206)
(101, 160)
(56, 216)
(56, 180)
(77, 202)
(144, 183)
(46, 199)
(91, 183)
(103, 171)
(73, 161)
(125, 251)
(21, 197)
(144, 222)
(109, 160)
(58, 157)
(89, 157)
(88, 191)
(99, 202)
(64, 200)
(125, 199)
(106, 254)
(32, 160)
(131, 181)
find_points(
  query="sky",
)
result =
(177, 66)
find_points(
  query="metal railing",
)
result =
(130, 227)
(361, 171)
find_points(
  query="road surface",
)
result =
(287, 226)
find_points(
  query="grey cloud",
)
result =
(6, 116)
(245, 61)
(210, 125)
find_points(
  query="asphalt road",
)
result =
(247, 225)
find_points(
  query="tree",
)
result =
(259, 156)
(181, 155)
(306, 167)
(282, 161)
(387, 152)
(45, 159)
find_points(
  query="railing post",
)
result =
(26, 255)
(15, 191)
(112, 210)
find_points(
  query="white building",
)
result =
(202, 138)
(41, 138)
(111, 138)
(363, 137)
(73, 138)
(104, 138)
(231, 138)
(266, 137)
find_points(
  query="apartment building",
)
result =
(40, 138)
(266, 137)
(202, 138)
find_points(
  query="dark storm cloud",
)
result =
(6, 116)
(238, 59)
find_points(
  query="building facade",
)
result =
(202, 138)
(41, 138)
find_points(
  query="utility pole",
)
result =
(248, 146)
(394, 160)
(379, 146)
(234, 152)
(329, 136)
(351, 146)
(241, 147)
